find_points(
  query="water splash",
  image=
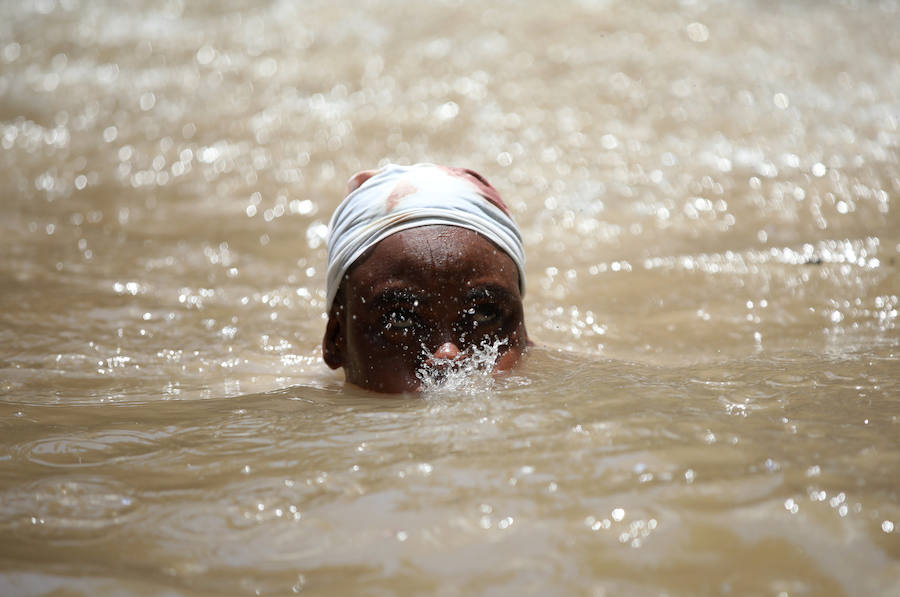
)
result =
(469, 374)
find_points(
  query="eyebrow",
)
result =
(490, 291)
(393, 296)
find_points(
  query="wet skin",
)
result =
(427, 293)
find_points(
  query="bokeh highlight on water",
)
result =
(707, 191)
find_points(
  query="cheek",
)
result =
(383, 350)
(513, 356)
(508, 360)
(375, 363)
(392, 375)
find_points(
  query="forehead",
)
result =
(433, 259)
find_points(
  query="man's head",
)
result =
(425, 264)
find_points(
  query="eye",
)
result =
(399, 320)
(485, 314)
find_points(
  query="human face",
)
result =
(433, 292)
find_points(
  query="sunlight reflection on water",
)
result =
(707, 194)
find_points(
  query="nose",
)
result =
(447, 350)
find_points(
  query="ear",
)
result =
(334, 342)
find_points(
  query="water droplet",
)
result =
(697, 32)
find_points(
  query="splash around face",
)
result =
(419, 300)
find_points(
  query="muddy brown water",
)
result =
(708, 193)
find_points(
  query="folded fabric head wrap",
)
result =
(395, 198)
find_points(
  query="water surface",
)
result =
(708, 197)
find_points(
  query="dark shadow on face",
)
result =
(432, 291)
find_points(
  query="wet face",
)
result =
(433, 292)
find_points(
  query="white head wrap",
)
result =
(397, 198)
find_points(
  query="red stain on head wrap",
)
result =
(400, 191)
(357, 179)
(484, 187)
(403, 189)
